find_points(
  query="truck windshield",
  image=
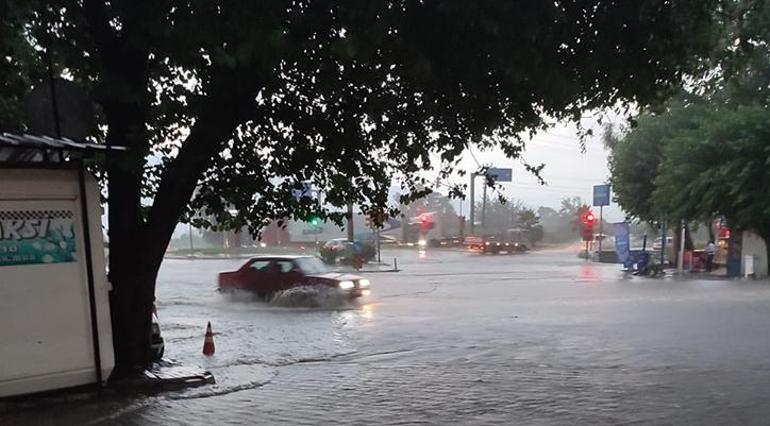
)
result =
(310, 265)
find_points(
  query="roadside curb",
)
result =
(165, 377)
(353, 271)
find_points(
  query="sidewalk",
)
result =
(367, 268)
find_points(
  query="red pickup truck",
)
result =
(266, 275)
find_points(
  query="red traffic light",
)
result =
(426, 222)
(587, 217)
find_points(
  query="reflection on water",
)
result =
(367, 311)
(589, 273)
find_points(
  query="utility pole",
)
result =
(350, 222)
(189, 230)
(601, 229)
(663, 235)
(472, 208)
(484, 208)
(681, 250)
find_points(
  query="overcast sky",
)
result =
(568, 171)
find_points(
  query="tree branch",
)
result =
(227, 107)
(102, 34)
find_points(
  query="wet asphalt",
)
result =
(457, 338)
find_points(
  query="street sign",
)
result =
(500, 175)
(601, 195)
(306, 191)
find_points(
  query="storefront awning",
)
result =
(42, 150)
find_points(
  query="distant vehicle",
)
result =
(519, 238)
(370, 238)
(474, 242)
(608, 242)
(388, 239)
(493, 245)
(266, 275)
(658, 243)
(157, 345)
(449, 242)
(344, 251)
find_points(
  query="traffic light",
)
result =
(314, 220)
(588, 220)
(426, 223)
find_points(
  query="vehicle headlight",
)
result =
(498, 244)
(487, 243)
(363, 283)
(346, 285)
(422, 243)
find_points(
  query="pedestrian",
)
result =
(711, 250)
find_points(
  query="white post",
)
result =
(681, 250)
(601, 230)
(189, 230)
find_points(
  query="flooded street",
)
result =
(540, 338)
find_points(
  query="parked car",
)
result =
(343, 251)
(157, 345)
(266, 275)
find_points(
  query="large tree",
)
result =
(704, 153)
(722, 167)
(226, 106)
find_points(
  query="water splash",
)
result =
(312, 297)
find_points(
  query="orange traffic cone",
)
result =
(208, 341)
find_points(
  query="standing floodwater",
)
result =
(455, 338)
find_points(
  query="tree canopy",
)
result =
(227, 106)
(720, 167)
(707, 152)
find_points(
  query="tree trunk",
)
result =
(137, 246)
(131, 297)
(710, 226)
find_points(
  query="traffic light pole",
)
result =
(484, 209)
(601, 229)
(472, 208)
(350, 222)
(663, 235)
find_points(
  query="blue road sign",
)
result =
(601, 195)
(500, 175)
(306, 191)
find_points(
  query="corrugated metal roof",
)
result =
(47, 142)
(45, 149)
